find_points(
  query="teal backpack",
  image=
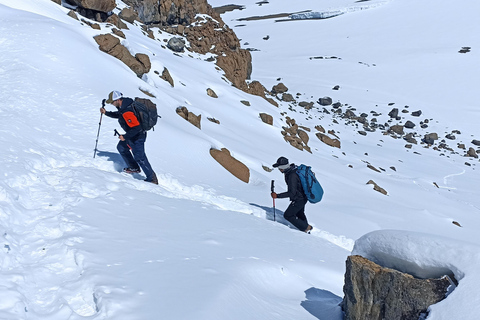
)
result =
(312, 188)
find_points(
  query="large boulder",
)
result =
(373, 292)
(110, 44)
(96, 5)
(235, 167)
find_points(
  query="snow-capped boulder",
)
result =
(373, 292)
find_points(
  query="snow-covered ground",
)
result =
(82, 241)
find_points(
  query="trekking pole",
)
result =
(272, 188)
(115, 133)
(98, 133)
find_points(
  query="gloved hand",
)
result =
(274, 195)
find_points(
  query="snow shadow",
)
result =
(274, 215)
(115, 157)
(322, 304)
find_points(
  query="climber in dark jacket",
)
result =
(133, 141)
(295, 213)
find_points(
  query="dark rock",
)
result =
(430, 138)
(409, 124)
(393, 113)
(416, 113)
(325, 101)
(476, 142)
(176, 44)
(279, 88)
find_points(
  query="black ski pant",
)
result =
(295, 214)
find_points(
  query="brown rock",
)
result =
(268, 119)
(167, 77)
(328, 141)
(128, 14)
(72, 14)
(304, 136)
(139, 64)
(97, 5)
(118, 33)
(376, 187)
(57, 1)
(190, 116)
(373, 292)
(211, 93)
(235, 167)
(116, 21)
(320, 128)
(279, 88)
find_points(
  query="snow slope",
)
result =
(82, 241)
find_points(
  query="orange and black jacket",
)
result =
(127, 119)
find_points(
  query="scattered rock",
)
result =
(476, 142)
(211, 93)
(456, 223)
(190, 116)
(377, 188)
(176, 44)
(328, 141)
(325, 101)
(472, 153)
(393, 113)
(167, 77)
(430, 138)
(97, 5)
(213, 120)
(373, 168)
(287, 97)
(373, 292)
(398, 129)
(279, 88)
(268, 119)
(416, 113)
(247, 103)
(128, 14)
(409, 125)
(235, 167)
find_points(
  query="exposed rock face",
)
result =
(139, 64)
(376, 293)
(190, 116)
(97, 5)
(235, 167)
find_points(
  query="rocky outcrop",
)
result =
(235, 167)
(96, 5)
(190, 116)
(295, 136)
(376, 293)
(110, 44)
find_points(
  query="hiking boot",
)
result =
(309, 228)
(154, 179)
(131, 170)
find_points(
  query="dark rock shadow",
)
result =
(323, 304)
